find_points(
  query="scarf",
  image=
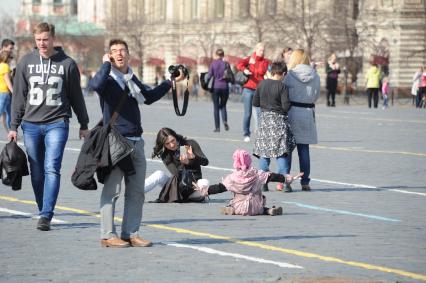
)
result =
(124, 80)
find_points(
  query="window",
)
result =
(271, 7)
(73, 7)
(244, 8)
(195, 11)
(160, 9)
(219, 9)
(36, 2)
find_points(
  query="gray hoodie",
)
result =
(303, 85)
(47, 94)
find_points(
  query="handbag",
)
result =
(228, 75)
(241, 78)
(185, 179)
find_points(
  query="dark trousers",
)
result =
(220, 97)
(373, 93)
(331, 93)
(420, 93)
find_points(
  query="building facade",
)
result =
(165, 32)
(82, 40)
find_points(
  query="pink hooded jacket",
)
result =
(246, 183)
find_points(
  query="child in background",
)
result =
(385, 92)
(246, 184)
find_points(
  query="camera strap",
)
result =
(175, 98)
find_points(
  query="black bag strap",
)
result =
(120, 104)
(175, 99)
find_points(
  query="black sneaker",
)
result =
(288, 188)
(265, 188)
(226, 126)
(43, 224)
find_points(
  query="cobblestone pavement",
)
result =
(363, 221)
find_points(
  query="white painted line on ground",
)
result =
(238, 256)
(29, 215)
(317, 180)
(344, 184)
(407, 192)
(342, 211)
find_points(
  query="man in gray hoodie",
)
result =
(46, 87)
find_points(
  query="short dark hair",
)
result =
(279, 68)
(44, 27)
(4, 56)
(220, 52)
(115, 41)
(6, 42)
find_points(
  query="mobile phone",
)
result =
(111, 59)
(182, 149)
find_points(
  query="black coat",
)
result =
(13, 165)
(101, 151)
(172, 191)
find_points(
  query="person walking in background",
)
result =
(303, 85)
(333, 70)
(8, 45)
(373, 82)
(6, 88)
(255, 67)
(195, 86)
(420, 76)
(274, 138)
(220, 93)
(385, 92)
(415, 87)
(46, 87)
(114, 82)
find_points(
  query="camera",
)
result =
(175, 70)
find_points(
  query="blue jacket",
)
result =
(128, 122)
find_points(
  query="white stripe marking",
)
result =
(408, 192)
(317, 180)
(30, 215)
(239, 256)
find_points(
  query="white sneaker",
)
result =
(246, 139)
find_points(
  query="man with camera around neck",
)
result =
(113, 80)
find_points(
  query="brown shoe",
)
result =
(114, 243)
(138, 242)
(227, 210)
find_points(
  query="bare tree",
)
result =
(130, 20)
(7, 24)
(304, 25)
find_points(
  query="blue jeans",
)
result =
(220, 97)
(5, 100)
(45, 145)
(283, 163)
(248, 104)
(304, 162)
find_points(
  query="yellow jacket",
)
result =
(373, 77)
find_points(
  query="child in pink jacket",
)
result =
(246, 184)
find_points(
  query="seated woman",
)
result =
(181, 156)
(246, 183)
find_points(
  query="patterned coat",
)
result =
(303, 85)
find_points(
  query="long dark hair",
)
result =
(159, 150)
